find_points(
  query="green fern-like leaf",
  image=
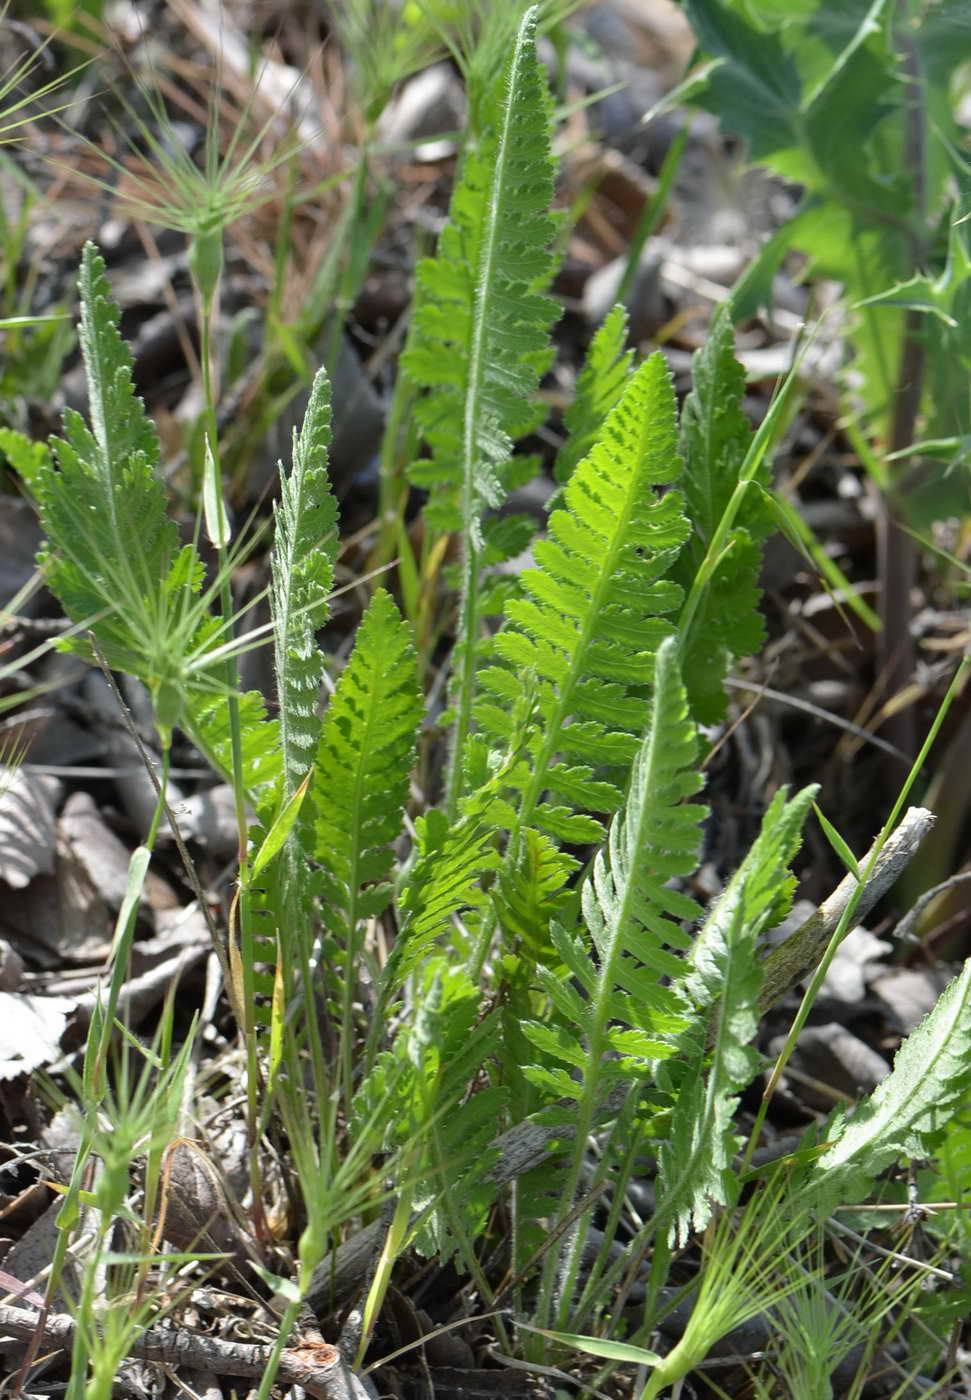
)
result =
(930, 1083)
(715, 437)
(632, 917)
(593, 616)
(364, 757)
(481, 328)
(417, 1091)
(302, 570)
(111, 543)
(716, 1057)
(629, 911)
(481, 339)
(599, 386)
(206, 718)
(531, 893)
(282, 906)
(456, 863)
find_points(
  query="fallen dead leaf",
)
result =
(26, 825)
(30, 1031)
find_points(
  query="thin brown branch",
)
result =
(802, 950)
(317, 1366)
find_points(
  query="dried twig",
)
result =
(801, 952)
(316, 1366)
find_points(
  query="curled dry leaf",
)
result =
(197, 1213)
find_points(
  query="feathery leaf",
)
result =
(716, 1058)
(599, 386)
(418, 1093)
(364, 759)
(632, 916)
(455, 863)
(593, 616)
(302, 569)
(929, 1083)
(481, 327)
(481, 339)
(530, 893)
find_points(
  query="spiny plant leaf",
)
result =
(364, 759)
(929, 1083)
(631, 915)
(599, 386)
(593, 616)
(716, 1058)
(481, 328)
(715, 437)
(302, 569)
(111, 543)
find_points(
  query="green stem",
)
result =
(468, 635)
(394, 1243)
(97, 1052)
(286, 1326)
(207, 264)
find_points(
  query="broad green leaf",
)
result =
(929, 1083)
(284, 823)
(597, 1346)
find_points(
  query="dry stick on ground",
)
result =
(316, 1366)
(527, 1144)
(802, 950)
